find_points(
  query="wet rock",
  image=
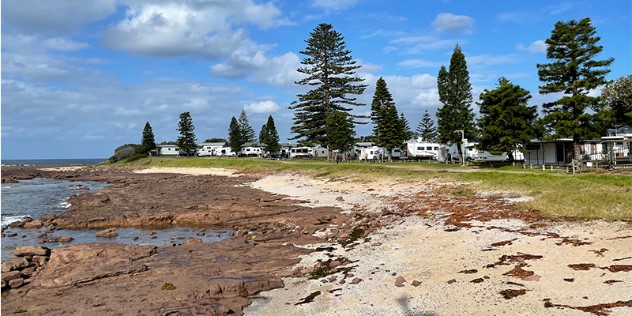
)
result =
(107, 233)
(60, 239)
(24, 251)
(9, 234)
(33, 224)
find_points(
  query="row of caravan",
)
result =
(255, 151)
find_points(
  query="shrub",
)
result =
(126, 151)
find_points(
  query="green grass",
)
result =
(557, 194)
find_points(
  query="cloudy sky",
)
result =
(80, 78)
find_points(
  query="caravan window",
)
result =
(429, 148)
(436, 148)
(420, 148)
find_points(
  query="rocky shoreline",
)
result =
(319, 247)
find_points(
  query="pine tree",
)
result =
(186, 140)
(426, 129)
(148, 142)
(455, 92)
(406, 132)
(269, 136)
(340, 132)
(573, 71)
(329, 70)
(234, 135)
(247, 132)
(506, 119)
(381, 99)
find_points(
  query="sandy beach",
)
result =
(338, 247)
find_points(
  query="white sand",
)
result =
(190, 171)
(419, 249)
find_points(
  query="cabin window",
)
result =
(420, 148)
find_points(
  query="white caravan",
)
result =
(301, 152)
(223, 152)
(421, 150)
(372, 153)
(251, 152)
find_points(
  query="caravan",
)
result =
(301, 152)
(421, 150)
(372, 153)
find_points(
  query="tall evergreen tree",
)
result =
(573, 71)
(247, 132)
(617, 98)
(455, 92)
(406, 132)
(329, 70)
(186, 140)
(381, 99)
(234, 135)
(340, 132)
(148, 142)
(426, 129)
(506, 119)
(269, 136)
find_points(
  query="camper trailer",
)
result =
(474, 154)
(224, 152)
(250, 151)
(372, 153)
(301, 152)
(421, 150)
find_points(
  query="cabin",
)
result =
(320, 152)
(617, 146)
(168, 150)
(560, 152)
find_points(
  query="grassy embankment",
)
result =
(557, 194)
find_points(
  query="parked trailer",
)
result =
(301, 152)
(422, 150)
(250, 152)
(372, 153)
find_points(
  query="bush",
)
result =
(126, 151)
(135, 157)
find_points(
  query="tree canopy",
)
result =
(329, 71)
(148, 141)
(186, 141)
(389, 130)
(246, 131)
(234, 135)
(574, 72)
(426, 129)
(340, 132)
(506, 119)
(617, 97)
(269, 136)
(455, 92)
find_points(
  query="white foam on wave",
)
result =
(6, 220)
(64, 204)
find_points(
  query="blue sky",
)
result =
(80, 78)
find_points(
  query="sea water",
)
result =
(38, 197)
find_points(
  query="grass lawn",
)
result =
(557, 194)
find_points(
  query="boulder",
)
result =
(27, 272)
(33, 224)
(60, 239)
(16, 283)
(107, 233)
(8, 276)
(14, 264)
(25, 251)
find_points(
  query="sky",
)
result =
(80, 78)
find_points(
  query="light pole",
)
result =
(462, 144)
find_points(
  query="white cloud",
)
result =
(336, 5)
(419, 63)
(268, 106)
(490, 60)
(536, 47)
(417, 44)
(64, 44)
(56, 16)
(278, 71)
(451, 23)
(207, 30)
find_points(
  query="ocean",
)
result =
(38, 197)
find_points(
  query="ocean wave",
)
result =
(64, 204)
(6, 220)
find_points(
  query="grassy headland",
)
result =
(555, 193)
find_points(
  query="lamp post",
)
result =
(462, 144)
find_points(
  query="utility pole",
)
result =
(462, 144)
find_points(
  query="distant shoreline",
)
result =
(52, 162)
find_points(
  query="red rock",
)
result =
(415, 283)
(356, 281)
(14, 264)
(107, 233)
(399, 282)
(15, 283)
(11, 275)
(33, 224)
(31, 251)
